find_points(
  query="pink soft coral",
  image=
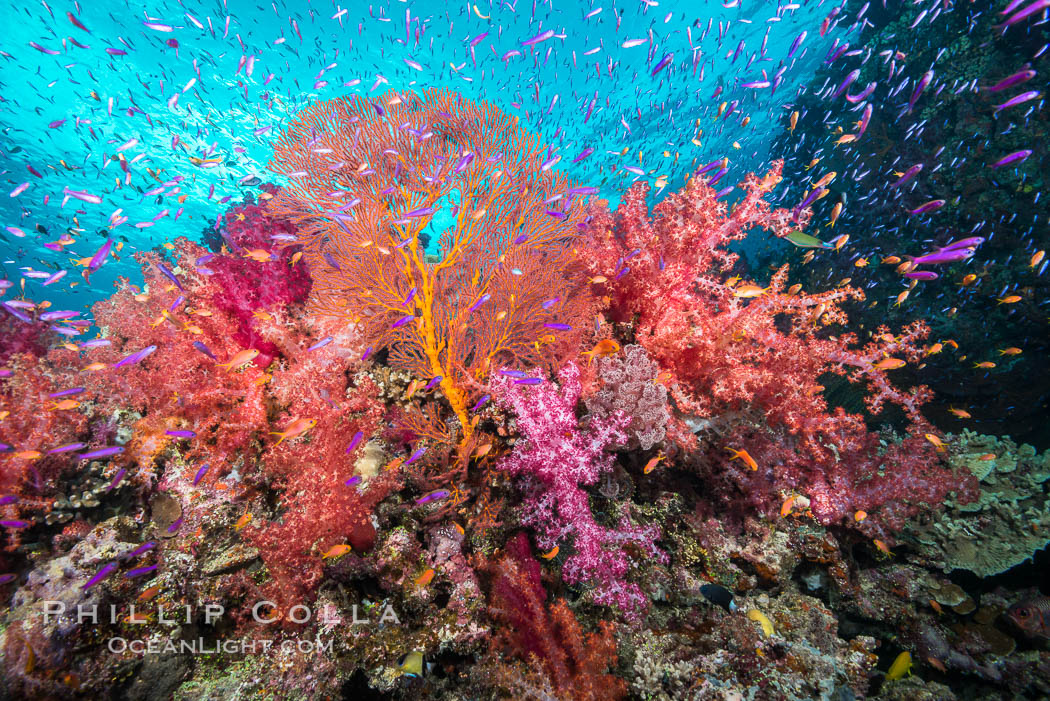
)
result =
(557, 459)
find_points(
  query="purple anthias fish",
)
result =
(55, 277)
(513, 373)
(116, 479)
(100, 255)
(168, 274)
(102, 453)
(921, 275)
(432, 496)
(402, 321)
(1019, 99)
(200, 474)
(66, 392)
(558, 327)
(529, 381)
(481, 300)
(415, 456)
(320, 344)
(542, 36)
(968, 242)
(923, 82)
(144, 548)
(1010, 81)
(15, 524)
(1015, 157)
(1035, 7)
(354, 441)
(433, 382)
(944, 256)
(205, 350)
(67, 448)
(481, 402)
(908, 175)
(136, 357)
(181, 434)
(664, 62)
(708, 167)
(139, 571)
(583, 154)
(13, 311)
(927, 207)
(52, 316)
(844, 85)
(102, 574)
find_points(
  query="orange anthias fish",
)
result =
(889, 364)
(553, 552)
(749, 291)
(241, 359)
(745, 456)
(425, 578)
(297, 428)
(336, 551)
(65, 405)
(602, 349)
(651, 465)
(936, 441)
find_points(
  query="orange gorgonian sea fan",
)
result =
(373, 179)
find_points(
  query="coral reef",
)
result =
(1007, 524)
(374, 469)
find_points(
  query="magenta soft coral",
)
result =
(557, 460)
(247, 284)
(745, 362)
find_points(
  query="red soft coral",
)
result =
(745, 362)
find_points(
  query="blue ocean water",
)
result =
(164, 84)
